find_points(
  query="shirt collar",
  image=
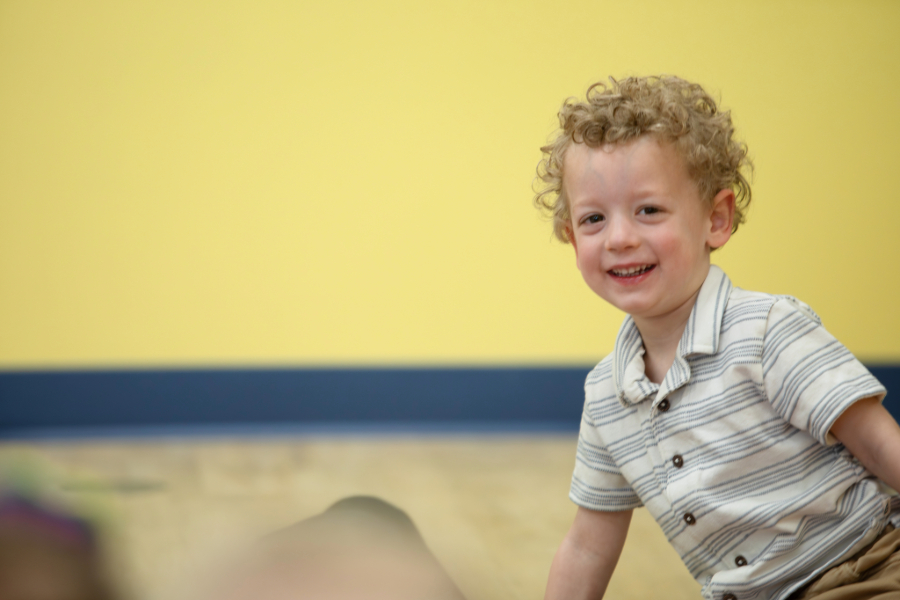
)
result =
(701, 336)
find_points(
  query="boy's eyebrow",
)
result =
(644, 194)
(589, 204)
(634, 196)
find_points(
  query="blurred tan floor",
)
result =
(492, 508)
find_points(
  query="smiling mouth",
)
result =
(632, 271)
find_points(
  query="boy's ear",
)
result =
(721, 218)
(571, 237)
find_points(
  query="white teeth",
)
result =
(631, 271)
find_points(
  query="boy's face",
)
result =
(641, 232)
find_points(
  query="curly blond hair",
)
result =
(673, 110)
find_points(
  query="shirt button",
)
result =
(729, 597)
(663, 406)
(689, 519)
(678, 461)
(740, 561)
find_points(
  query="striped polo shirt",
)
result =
(731, 453)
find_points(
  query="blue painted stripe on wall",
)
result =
(230, 399)
(387, 396)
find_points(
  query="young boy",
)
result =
(752, 436)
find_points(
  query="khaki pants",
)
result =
(874, 573)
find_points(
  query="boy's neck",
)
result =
(661, 336)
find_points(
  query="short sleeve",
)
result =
(597, 483)
(810, 378)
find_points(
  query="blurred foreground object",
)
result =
(361, 547)
(47, 554)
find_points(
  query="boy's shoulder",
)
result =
(745, 304)
(602, 372)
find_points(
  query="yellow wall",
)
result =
(295, 182)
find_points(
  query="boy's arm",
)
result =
(872, 435)
(585, 561)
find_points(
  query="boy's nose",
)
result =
(620, 235)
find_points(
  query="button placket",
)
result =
(663, 406)
(740, 561)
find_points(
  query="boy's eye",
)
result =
(592, 219)
(648, 210)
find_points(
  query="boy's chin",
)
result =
(630, 306)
